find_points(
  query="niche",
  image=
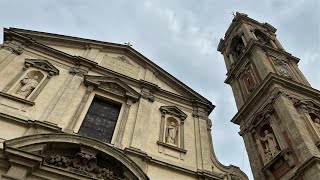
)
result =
(28, 83)
(172, 131)
(237, 47)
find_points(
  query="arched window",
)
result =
(236, 47)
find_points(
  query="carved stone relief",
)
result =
(269, 145)
(84, 164)
(120, 64)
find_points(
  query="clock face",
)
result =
(283, 71)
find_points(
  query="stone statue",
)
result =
(317, 124)
(28, 85)
(239, 48)
(171, 133)
(271, 145)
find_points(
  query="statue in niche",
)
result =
(270, 145)
(28, 85)
(317, 124)
(239, 49)
(283, 71)
(171, 133)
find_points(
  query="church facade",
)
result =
(74, 108)
(278, 110)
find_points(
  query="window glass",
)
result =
(100, 121)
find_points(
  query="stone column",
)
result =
(196, 120)
(277, 133)
(244, 40)
(254, 157)
(123, 122)
(231, 58)
(70, 127)
(162, 122)
(64, 95)
(277, 43)
(273, 44)
(296, 129)
(140, 132)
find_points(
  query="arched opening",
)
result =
(262, 37)
(236, 47)
(66, 156)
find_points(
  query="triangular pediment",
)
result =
(173, 110)
(112, 85)
(42, 64)
(118, 60)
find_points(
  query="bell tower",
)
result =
(278, 110)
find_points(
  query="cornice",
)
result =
(31, 43)
(28, 36)
(240, 18)
(263, 89)
(252, 45)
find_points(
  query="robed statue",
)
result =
(171, 133)
(28, 85)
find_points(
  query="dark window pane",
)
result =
(100, 120)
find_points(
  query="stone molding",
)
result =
(148, 90)
(175, 112)
(17, 50)
(246, 55)
(41, 64)
(87, 145)
(21, 35)
(262, 89)
(284, 155)
(16, 98)
(32, 123)
(112, 85)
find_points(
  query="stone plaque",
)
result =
(100, 121)
(120, 64)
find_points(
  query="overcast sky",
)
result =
(182, 38)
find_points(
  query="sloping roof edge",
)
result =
(36, 34)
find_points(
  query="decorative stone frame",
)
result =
(238, 39)
(75, 157)
(44, 67)
(110, 85)
(261, 119)
(179, 116)
(281, 66)
(308, 107)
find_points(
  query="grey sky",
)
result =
(181, 37)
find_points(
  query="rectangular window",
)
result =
(100, 120)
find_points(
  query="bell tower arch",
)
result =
(278, 110)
